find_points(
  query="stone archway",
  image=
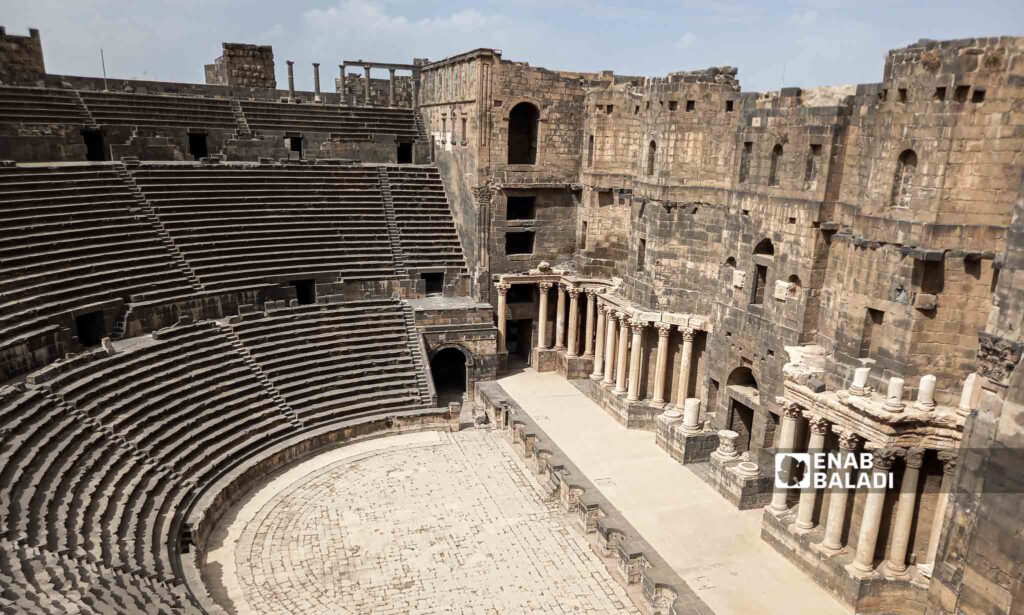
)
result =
(449, 367)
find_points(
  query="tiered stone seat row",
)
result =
(156, 110)
(34, 580)
(240, 225)
(335, 362)
(68, 240)
(348, 122)
(40, 106)
(426, 228)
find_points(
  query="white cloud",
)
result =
(686, 41)
(804, 18)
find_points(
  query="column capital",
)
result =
(575, 292)
(789, 409)
(914, 457)
(545, 285)
(884, 458)
(818, 424)
(503, 288)
(563, 286)
(638, 325)
(623, 318)
(592, 292)
(608, 309)
(848, 440)
(687, 333)
(948, 459)
(663, 328)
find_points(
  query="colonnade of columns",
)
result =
(884, 461)
(614, 339)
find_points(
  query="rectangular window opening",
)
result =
(940, 94)
(583, 236)
(902, 94)
(728, 106)
(519, 242)
(197, 146)
(609, 108)
(691, 105)
(870, 338)
(89, 328)
(641, 255)
(521, 208)
(961, 92)
(760, 280)
(673, 105)
(748, 150)
(978, 96)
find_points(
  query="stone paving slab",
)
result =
(422, 523)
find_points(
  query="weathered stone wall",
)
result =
(243, 65)
(21, 58)
(355, 89)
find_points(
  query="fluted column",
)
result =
(622, 356)
(502, 302)
(912, 462)
(366, 86)
(871, 517)
(661, 362)
(588, 330)
(684, 368)
(948, 459)
(610, 337)
(787, 443)
(636, 359)
(574, 324)
(809, 496)
(836, 519)
(559, 317)
(598, 370)
(542, 316)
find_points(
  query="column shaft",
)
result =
(787, 443)
(588, 330)
(836, 518)
(661, 363)
(366, 86)
(948, 459)
(684, 368)
(598, 371)
(610, 337)
(542, 316)
(559, 308)
(809, 495)
(636, 360)
(574, 325)
(342, 97)
(871, 518)
(897, 562)
(391, 87)
(622, 358)
(502, 325)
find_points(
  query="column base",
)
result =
(892, 572)
(596, 377)
(857, 572)
(803, 530)
(827, 551)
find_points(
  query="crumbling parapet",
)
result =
(243, 64)
(21, 58)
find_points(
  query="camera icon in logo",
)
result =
(792, 470)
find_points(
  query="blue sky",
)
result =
(824, 42)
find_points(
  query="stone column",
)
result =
(912, 462)
(342, 97)
(836, 519)
(502, 302)
(636, 359)
(684, 368)
(559, 308)
(291, 80)
(588, 331)
(661, 363)
(542, 316)
(809, 496)
(574, 325)
(391, 87)
(366, 85)
(787, 442)
(871, 518)
(415, 89)
(316, 82)
(948, 459)
(598, 370)
(610, 336)
(622, 356)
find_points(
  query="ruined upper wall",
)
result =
(243, 65)
(21, 58)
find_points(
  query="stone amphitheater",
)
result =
(473, 336)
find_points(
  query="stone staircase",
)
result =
(419, 359)
(394, 234)
(272, 390)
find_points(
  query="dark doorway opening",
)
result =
(197, 146)
(742, 423)
(520, 242)
(89, 328)
(405, 153)
(448, 367)
(295, 148)
(520, 293)
(305, 291)
(522, 134)
(93, 145)
(434, 283)
(519, 341)
(521, 208)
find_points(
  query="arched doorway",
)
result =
(742, 391)
(448, 366)
(522, 134)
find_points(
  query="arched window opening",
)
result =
(773, 172)
(590, 152)
(522, 134)
(764, 253)
(765, 247)
(652, 153)
(903, 181)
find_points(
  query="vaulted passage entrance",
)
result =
(522, 134)
(449, 369)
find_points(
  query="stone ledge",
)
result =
(636, 563)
